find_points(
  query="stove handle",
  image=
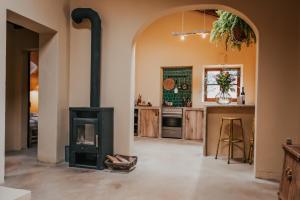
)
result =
(97, 142)
(172, 116)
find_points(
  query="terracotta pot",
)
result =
(238, 34)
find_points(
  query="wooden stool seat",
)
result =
(231, 118)
(231, 140)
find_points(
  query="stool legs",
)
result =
(219, 140)
(230, 144)
(250, 154)
(231, 140)
(244, 142)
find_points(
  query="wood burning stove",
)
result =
(91, 137)
(91, 128)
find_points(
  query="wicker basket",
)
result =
(122, 166)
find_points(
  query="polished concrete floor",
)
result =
(167, 169)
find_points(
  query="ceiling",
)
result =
(211, 12)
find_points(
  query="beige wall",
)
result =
(156, 48)
(277, 117)
(18, 41)
(50, 19)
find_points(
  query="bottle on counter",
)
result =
(242, 96)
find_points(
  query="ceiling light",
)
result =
(182, 35)
(203, 35)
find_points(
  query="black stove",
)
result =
(91, 128)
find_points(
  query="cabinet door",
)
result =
(288, 179)
(193, 125)
(297, 181)
(149, 122)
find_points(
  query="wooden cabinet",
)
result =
(290, 180)
(149, 122)
(193, 124)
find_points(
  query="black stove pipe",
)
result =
(78, 15)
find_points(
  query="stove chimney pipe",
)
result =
(78, 15)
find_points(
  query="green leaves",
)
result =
(232, 30)
(225, 80)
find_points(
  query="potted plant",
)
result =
(225, 81)
(233, 30)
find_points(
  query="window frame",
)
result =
(221, 68)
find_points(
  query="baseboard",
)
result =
(267, 175)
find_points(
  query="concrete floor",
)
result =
(167, 169)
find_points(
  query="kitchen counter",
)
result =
(213, 114)
(193, 108)
(228, 105)
(202, 122)
(147, 107)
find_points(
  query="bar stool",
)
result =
(231, 139)
(251, 145)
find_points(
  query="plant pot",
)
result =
(238, 34)
(223, 98)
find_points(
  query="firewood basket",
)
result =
(122, 166)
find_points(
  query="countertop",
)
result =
(147, 107)
(234, 105)
(202, 107)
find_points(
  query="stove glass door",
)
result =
(85, 131)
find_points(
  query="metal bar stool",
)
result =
(231, 140)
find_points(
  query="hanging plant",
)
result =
(233, 30)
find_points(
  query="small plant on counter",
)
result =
(225, 81)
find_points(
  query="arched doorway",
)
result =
(186, 9)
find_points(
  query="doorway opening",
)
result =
(163, 53)
(21, 121)
(33, 94)
(41, 50)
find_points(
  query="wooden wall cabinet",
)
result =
(149, 122)
(290, 181)
(193, 124)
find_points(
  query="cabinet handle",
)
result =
(97, 143)
(289, 174)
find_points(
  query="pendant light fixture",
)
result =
(182, 35)
(203, 33)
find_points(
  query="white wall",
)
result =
(156, 48)
(277, 117)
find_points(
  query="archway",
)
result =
(188, 8)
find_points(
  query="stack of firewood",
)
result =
(120, 162)
(117, 159)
